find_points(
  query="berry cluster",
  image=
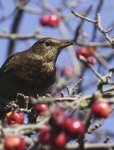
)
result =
(61, 127)
(87, 53)
(51, 20)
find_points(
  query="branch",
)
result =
(100, 4)
(15, 26)
(15, 36)
(25, 129)
(93, 146)
(29, 9)
(97, 22)
(94, 44)
(77, 32)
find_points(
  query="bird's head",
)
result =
(50, 48)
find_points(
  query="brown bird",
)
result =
(32, 71)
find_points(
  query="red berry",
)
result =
(13, 142)
(44, 135)
(75, 127)
(68, 71)
(101, 109)
(59, 140)
(15, 118)
(83, 52)
(58, 118)
(92, 60)
(44, 20)
(54, 20)
(41, 108)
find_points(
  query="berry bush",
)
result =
(77, 113)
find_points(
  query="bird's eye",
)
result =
(47, 44)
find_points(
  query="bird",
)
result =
(31, 71)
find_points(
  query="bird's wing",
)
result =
(8, 65)
(23, 70)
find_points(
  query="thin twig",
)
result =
(99, 7)
(97, 22)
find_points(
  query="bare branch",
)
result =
(15, 36)
(98, 24)
(99, 7)
(83, 17)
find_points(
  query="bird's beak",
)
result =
(65, 43)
